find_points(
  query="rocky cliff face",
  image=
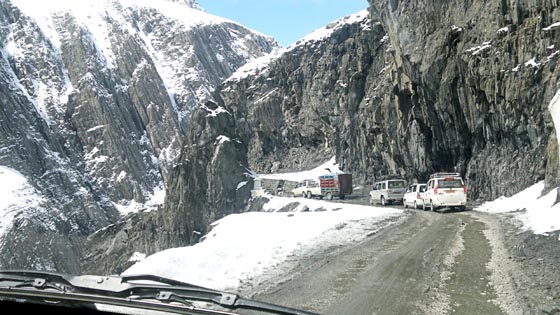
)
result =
(407, 87)
(209, 182)
(403, 88)
(416, 88)
(477, 78)
(96, 100)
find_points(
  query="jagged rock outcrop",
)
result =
(96, 98)
(392, 90)
(422, 87)
(298, 111)
(209, 182)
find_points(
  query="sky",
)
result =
(285, 20)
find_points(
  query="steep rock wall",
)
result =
(426, 87)
(478, 77)
(411, 87)
(94, 109)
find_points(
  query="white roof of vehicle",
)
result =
(445, 175)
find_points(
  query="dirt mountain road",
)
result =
(427, 263)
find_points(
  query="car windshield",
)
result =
(450, 183)
(275, 150)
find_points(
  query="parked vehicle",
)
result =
(328, 186)
(388, 191)
(413, 196)
(307, 189)
(338, 185)
(445, 190)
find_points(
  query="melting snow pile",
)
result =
(241, 247)
(540, 214)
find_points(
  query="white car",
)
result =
(387, 192)
(307, 189)
(413, 196)
(445, 190)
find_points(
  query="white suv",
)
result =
(387, 192)
(307, 189)
(445, 190)
(413, 196)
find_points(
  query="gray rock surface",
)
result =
(95, 124)
(468, 69)
(422, 87)
(408, 89)
(411, 87)
(208, 183)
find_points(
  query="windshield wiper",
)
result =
(138, 291)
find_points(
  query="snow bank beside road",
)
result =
(243, 247)
(329, 167)
(540, 215)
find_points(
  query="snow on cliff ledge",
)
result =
(327, 168)
(257, 65)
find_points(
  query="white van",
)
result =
(445, 190)
(413, 196)
(307, 189)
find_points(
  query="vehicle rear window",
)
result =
(450, 183)
(396, 184)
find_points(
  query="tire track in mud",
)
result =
(397, 271)
(469, 288)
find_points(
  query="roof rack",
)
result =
(389, 177)
(435, 175)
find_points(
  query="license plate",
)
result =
(450, 191)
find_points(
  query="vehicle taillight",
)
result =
(464, 189)
(435, 190)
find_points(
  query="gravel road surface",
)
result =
(425, 263)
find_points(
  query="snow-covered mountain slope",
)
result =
(96, 99)
(381, 106)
